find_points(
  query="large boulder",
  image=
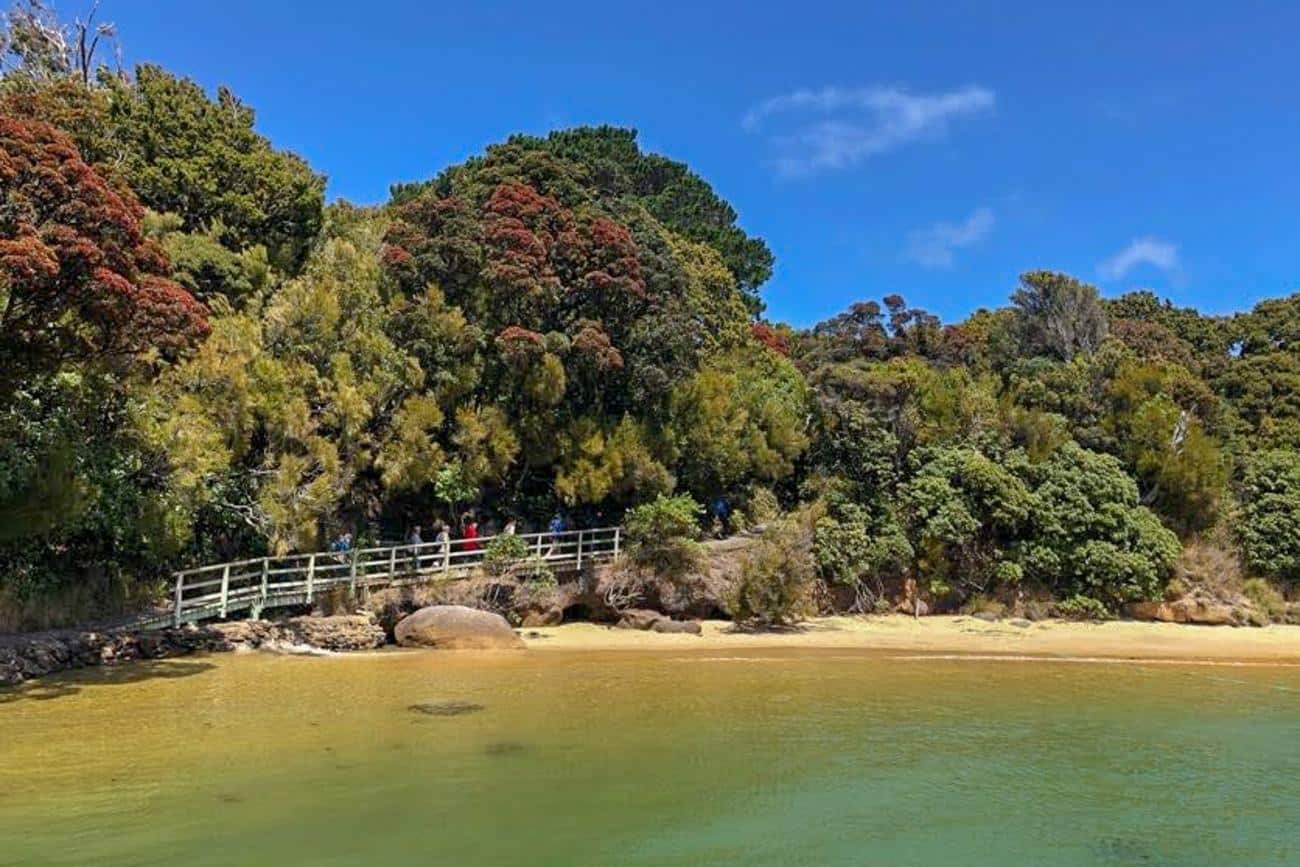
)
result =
(456, 627)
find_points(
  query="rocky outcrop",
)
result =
(456, 627)
(639, 618)
(1198, 608)
(24, 657)
(349, 632)
(553, 616)
(645, 619)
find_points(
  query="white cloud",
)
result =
(859, 122)
(934, 245)
(1143, 251)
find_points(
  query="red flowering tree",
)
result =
(78, 282)
(770, 337)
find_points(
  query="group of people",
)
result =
(470, 536)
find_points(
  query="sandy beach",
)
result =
(968, 636)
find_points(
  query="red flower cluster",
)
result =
(82, 281)
(592, 343)
(768, 336)
(519, 346)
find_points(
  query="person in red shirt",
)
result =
(470, 534)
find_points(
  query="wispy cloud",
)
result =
(856, 123)
(934, 245)
(1143, 251)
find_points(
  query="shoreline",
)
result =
(956, 636)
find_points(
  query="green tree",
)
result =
(964, 513)
(1270, 521)
(1059, 315)
(740, 418)
(1087, 532)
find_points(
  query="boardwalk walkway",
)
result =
(225, 589)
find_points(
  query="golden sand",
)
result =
(956, 635)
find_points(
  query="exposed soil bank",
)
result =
(956, 635)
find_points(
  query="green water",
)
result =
(652, 759)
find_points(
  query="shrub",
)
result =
(502, 554)
(536, 571)
(1207, 563)
(1266, 597)
(662, 535)
(982, 604)
(776, 578)
(761, 505)
(1082, 608)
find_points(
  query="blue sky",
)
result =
(935, 150)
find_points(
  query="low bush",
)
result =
(1082, 608)
(1266, 597)
(761, 505)
(777, 577)
(981, 604)
(502, 554)
(663, 536)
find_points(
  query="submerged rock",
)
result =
(505, 748)
(455, 627)
(446, 708)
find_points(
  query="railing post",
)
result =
(225, 590)
(180, 588)
(580, 549)
(618, 531)
(266, 571)
(352, 573)
(392, 564)
(311, 576)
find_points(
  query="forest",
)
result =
(202, 358)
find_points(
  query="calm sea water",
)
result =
(652, 759)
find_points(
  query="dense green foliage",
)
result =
(199, 359)
(776, 577)
(663, 535)
(1270, 526)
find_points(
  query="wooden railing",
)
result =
(224, 589)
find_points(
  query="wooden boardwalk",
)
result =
(253, 586)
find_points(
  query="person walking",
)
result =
(443, 540)
(721, 515)
(470, 534)
(509, 528)
(556, 529)
(341, 546)
(415, 540)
